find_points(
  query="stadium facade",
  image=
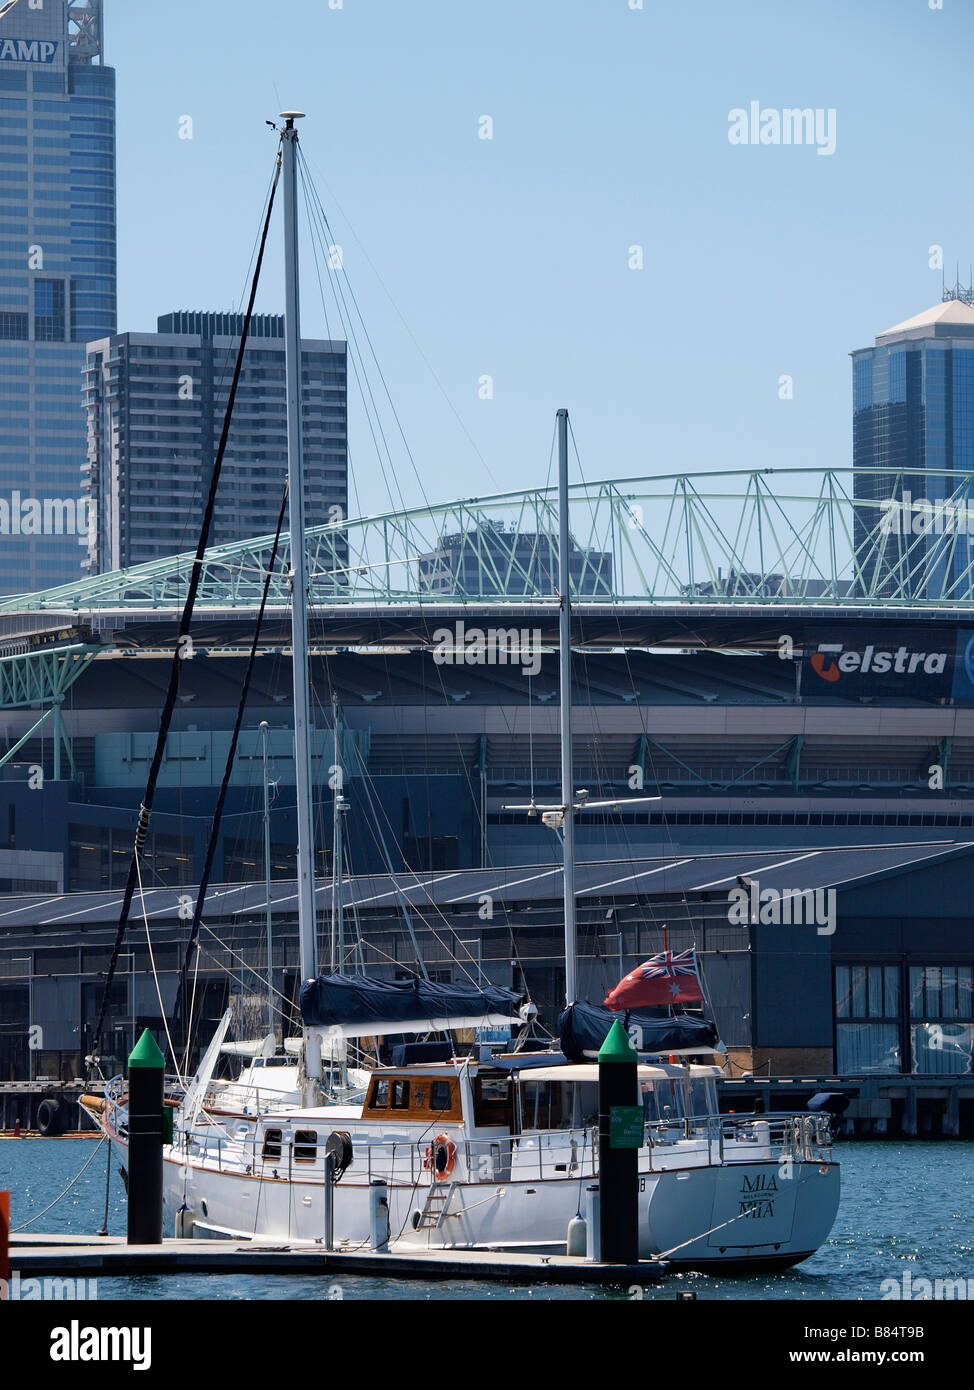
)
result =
(771, 773)
(57, 277)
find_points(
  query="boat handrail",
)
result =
(399, 1160)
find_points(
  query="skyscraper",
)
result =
(155, 405)
(913, 408)
(57, 276)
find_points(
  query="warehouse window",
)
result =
(867, 1011)
(942, 1019)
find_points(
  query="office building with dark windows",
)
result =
(57, 277)
(913, 409)
(155, 404)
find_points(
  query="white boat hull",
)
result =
(739, 1216)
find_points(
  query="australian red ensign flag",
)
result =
(664, 979)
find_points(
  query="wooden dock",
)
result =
(54, 1256)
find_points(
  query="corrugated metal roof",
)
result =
(714, 874)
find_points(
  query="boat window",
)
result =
(272, 1144)
(419, 1096)
(584, 1103)
(703, 1096)
(495, 1089)
(305, 1145)
(440, 1096)
(559, 1104)
(380, 1095)
(492, 1100)
(663, 1099)
(400, 1095)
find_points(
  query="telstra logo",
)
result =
(831, 661)
(823, 666)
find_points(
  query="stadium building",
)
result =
(812, 746)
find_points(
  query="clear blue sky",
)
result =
(509, 257)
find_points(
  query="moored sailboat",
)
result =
(476, 1146)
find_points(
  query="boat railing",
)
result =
(251, 1099)
(731, 1138)
(299, 1153)
(248, 1099)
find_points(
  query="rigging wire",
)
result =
(344, 297)
(195, 578)
(227, 358)
(63, 1193)
(155, 973)
(630, 856)
(405, 324)
(383, 453)
(215, 825)
(318, 212)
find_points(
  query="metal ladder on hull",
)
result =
(436, 1207)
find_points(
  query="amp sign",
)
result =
(28, 50)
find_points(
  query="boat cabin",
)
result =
(430, 1094)
(567, 1097)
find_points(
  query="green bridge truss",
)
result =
(776, 536)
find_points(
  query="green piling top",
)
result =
(146, 1052)
(617, 1047)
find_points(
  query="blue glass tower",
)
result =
(913, 408)
(57, 277)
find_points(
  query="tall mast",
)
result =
(269, 920)
(307, 931)
(339, 807)
(565, 699)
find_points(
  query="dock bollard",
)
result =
(592, 1222)
(620, 1139)
(379, 1214)
(146, 1069)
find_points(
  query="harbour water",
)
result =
(907, 1209)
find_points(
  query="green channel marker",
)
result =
(145, 1141)
(617, 1047)
(146, 1052)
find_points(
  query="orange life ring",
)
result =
(440, 1156)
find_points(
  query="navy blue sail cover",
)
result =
(583, 1028)
(336, 1000)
